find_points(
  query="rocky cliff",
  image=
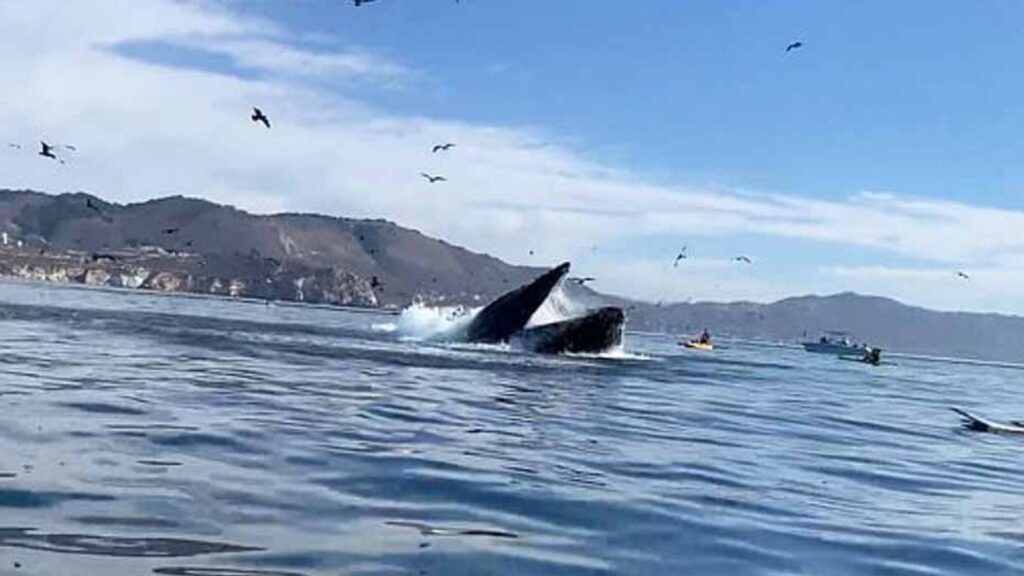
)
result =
(180, 244)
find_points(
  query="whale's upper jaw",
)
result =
(509, 313)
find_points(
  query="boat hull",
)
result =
(692, 345)
(832, 348)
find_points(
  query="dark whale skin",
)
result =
(598, 331)
(499, 320)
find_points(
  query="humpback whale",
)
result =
(505, 320)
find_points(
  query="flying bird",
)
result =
(445, 147)
(742, 259)
(680, 256)
(963, 275)
(71, 147)
(47, 150)
(15, 146)
(582, 281)
(259, 116)
(433, 179)
(794, 46)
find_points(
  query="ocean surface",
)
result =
(144, 434)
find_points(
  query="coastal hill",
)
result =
(191, 245)
(187, 244)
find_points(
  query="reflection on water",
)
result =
(186, 437)
(194, 571)
(427, 530)
(111, 545)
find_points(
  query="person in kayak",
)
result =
(705, 338)
(873, 356)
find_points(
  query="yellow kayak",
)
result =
(696, 345)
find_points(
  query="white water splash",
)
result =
(421, 322)
(616, 353)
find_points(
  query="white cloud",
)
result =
(145, 131)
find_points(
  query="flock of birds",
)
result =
(47, 150)
(259, 117)
(683, 256)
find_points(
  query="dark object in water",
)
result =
(979, 424)
(500, 319)
(873, 356)
(598, 331)
(429, 530)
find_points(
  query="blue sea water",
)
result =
(144, 434)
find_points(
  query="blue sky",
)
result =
(919, 97)
(881, 157)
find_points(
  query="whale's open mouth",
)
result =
(506, 318)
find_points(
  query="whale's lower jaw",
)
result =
(598, 331)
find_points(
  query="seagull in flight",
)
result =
(963, 275)
(582, 281)
(15, 146)
(259, 116)
(794, 46)
(47, 150)
(680, 256)
(443, 147)
(70, 147)
(433, 179)
(742, 259)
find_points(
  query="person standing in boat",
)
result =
(873, 356)
(705, 337)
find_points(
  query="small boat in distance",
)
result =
(835, 343)
(703, 343)
(698, 345)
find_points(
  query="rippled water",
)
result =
(147, 434)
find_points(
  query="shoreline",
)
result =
(197, 296)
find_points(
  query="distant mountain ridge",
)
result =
(192, 245)
(876, 320)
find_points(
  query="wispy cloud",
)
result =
(146, 128)
(264, 58)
